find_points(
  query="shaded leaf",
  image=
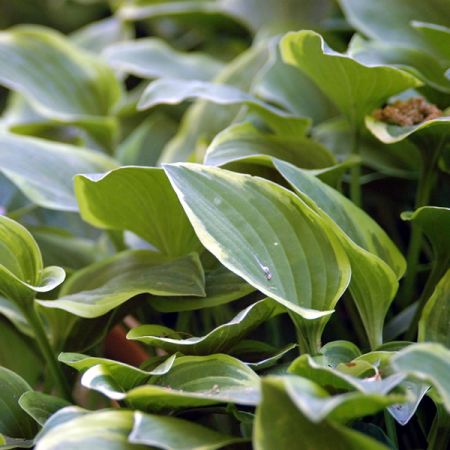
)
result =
(218, 340)
(280, 424)
(41, 406)
(244, 141)
(101, 287)
(78, 88)
(153, 58)
(14, 422)
(44, 170)
(435, 320)
(175, 91)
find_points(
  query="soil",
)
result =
(408, 112)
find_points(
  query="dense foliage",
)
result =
(225, 224)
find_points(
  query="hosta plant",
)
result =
(225, 224)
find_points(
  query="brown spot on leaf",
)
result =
(350, 364)
(408, 112)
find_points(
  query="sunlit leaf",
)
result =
(258, 230)
(144, 203)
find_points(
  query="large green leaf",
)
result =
(61, 81)
(101, 287)
(41, 406)
(101, 430)
(21, 268)
(428, 362)
(153, 58)
(280, 424)
(433, 325)
(355, 88)
(171, 433)
(44, 170)
(375, 260)
(244, 141)
(192, 381)
(266, 235)
(391, 21)
(14, 421)
(175, 91)
(144, 203)
(219, 340)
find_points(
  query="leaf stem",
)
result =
(309, 334)
(439, 436)
(390, 428)
(436, 273)
(424, 188)
(47, 352)
(355, 172)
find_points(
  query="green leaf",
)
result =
(435, 319)
(391, 21)
(390, 134)
(338, 352)
(144, 203)
(435, 223)
(14, 422)
(126, 376)
(375, 260)
(100, 430)
(346, 376)
(281, 424)
(192, 381)
(286, 86)
(317, 404)
(97, 36)
(356, 89)
(29, 365)
(219, 340)
(78, 88)
(21, 268)
(221, 286)
(153, 58)
(437, 36)
(41, 406)
(258, 230)
(171, 433)
(203, 120)
(101, 287)
(418, 62)
(243, 142)
(44, 170)
(428, 362)
(175, 91)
